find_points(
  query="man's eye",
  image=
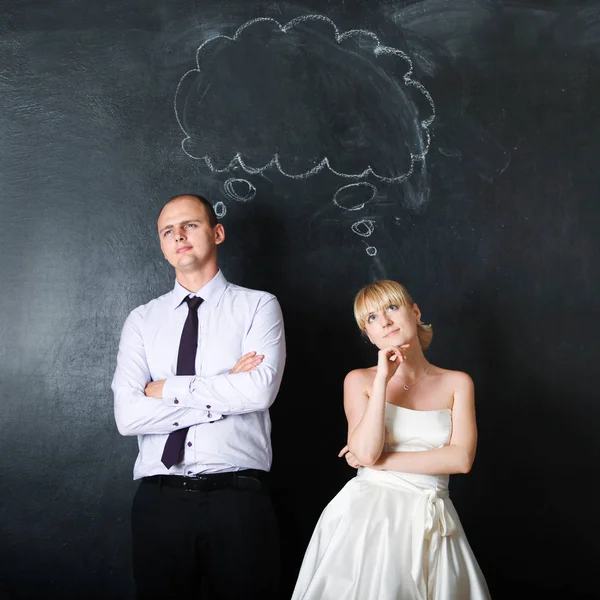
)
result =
(166, 233)
(191, 225)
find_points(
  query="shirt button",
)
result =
(208, 406)
(189, 443)
(175, 424)
(176, 401)
(190, 472)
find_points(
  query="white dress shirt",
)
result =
(228, 415)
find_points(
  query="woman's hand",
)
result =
(350, 458)
(390, 359)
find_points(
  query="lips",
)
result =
(391, 333)
(183, 249)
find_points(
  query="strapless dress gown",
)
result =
(393, 536)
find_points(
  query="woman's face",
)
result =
(392, 325)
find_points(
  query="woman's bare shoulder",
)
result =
(360, 376)
(457, 380)
(449, 374)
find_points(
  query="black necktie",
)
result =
(186, 365)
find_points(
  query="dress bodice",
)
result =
(410, 430)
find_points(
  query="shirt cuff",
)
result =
(176, 390)
(217, 394)
(176, 393)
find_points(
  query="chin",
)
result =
(186, 261)
(395, 340)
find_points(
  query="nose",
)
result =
(179, 235)
(385, 321)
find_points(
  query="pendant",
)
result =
(406, 387)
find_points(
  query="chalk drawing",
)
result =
(239, 189)
(353, 187)
(237, 160)
(220, 209)
(364, 227)
(344, 197)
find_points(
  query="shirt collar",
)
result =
(210, 292)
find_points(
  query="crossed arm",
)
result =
(248, 362)
(143, 406)
(456, 457)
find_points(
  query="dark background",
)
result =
(495, 233)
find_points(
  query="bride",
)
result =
(392, 532)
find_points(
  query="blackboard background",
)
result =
(497, 238)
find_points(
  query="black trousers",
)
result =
(210, 545)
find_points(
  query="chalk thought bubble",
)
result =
(303, 97)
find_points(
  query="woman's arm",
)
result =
(365, 411)
(458, 456)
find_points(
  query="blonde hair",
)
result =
(381, 294)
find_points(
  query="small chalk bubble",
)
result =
(220, 209)
(364, 227)
(371, 250)
(239, 189)
(354, 196)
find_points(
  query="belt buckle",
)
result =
(188, 483)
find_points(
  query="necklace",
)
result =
(406, 386)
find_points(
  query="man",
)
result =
(194, 382)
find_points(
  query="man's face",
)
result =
(187, 240)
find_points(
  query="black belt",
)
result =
(249, 479)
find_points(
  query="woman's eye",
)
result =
(371, 319)
(392, 307)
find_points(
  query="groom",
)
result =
(197, 370)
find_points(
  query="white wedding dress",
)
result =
(393, 536)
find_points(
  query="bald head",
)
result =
(208, 208)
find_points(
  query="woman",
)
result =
(392, 533)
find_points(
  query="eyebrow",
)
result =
(170, 226)
(385, 305)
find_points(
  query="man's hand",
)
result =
(350, 458)
(155, 389)
(249, 361)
